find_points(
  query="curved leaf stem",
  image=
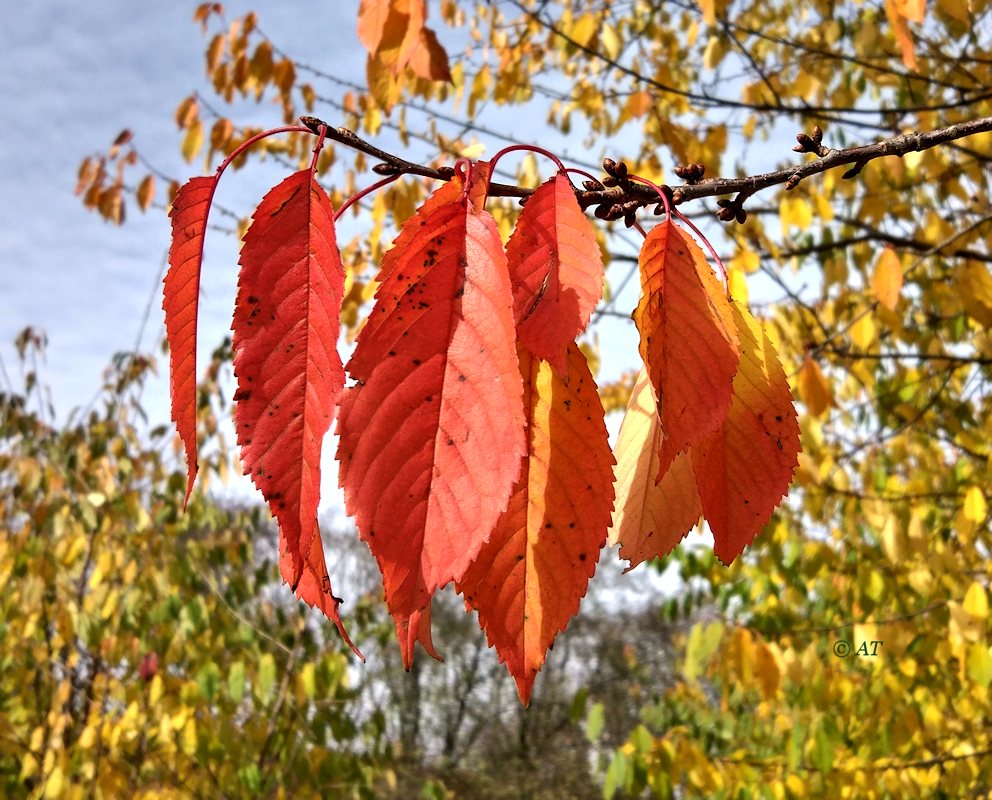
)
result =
(257, 138)
(317, 148)
(368, 190)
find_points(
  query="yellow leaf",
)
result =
(975, 508)
(976, 601)
(193, 140)
(609, 39)
(713, 54)
(583, 29)
(813, 388)
(738, 286)
(650, 517)
(55, 784)
(795, 211)
(746, 260)
(862, 331)
(974, 286)
(886, 280)
(955, 9)
(155, 690)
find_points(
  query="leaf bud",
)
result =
(741, 215)
(817, 134)
(726, 213)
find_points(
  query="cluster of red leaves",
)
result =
(472, 443)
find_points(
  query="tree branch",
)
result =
(618, 201)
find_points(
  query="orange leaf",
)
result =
(286, 323)
(556, 269)
(886, 280)
(745, 468)
(529, 578)
(900, 28)
(190, 208)
(688, 340)
(428, 59)
(372, 18)
(146, 191)
(432, 434)
(651, 517)
(813, 388)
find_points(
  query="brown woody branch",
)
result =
(620, 200)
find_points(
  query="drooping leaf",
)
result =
(745, 468)
(431, 435)
(372, 18)
(529, 578)
(814, 389)
(886, 280)
(557, 271)
(286, 323)
(181, 302)
(688, 341)
(651, 517)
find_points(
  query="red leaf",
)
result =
(180, 303)
(688, 341)
(432, 434)
(557, 271)
(286, 323)
(529, 578)
(413, 629)
(651, 517)
(744, 469)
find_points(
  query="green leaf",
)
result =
(236, 681)
(594, 722)
(208, 680)
(266, 678)
(616, 775)
(702, 644)
(980, 664)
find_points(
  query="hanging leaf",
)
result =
(557, 271)
(180, 302)
(745, 468)
(688, 341)
(886, 280)
(286, 323)
(431, 435)
(651, 517)
(529, 578)
(814, 390)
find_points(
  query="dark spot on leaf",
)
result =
(462, 378)
(252, 298)
(568, 405)
(582, 556)
(391, 353)
(416, 362)
(548, 525)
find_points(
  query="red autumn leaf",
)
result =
(190, 208)
(286, 323)
(651, 517)
(529, 578)
(432, 434)
(557, 271)
(744, 469)
(688, 341)
(413, 629)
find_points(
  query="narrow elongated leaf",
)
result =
(557, 271)
(180, 303)
(688, 341)
(529, 578)
(431, 435)
(651, 517)
(286, 323)
(745, 468)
